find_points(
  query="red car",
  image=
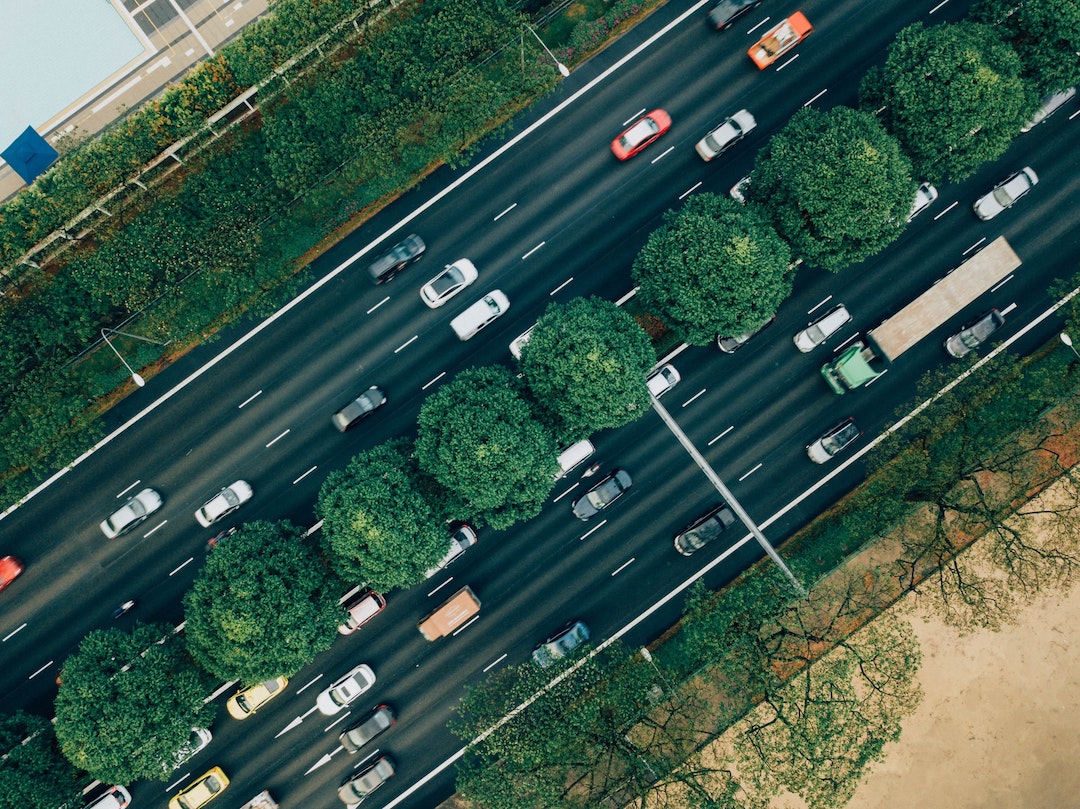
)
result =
(10, 568)
(640, 134)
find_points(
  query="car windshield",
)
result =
(447, 281)
(603, 494)
(840, 439)
(492, 304)
(230, 497)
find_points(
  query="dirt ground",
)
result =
(998, 722)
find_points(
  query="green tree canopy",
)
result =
(33, 772)
(479, 437)
(714, 267)
(953, 97)
(835, 184)
(128, 701)
(382, 518)
(263, 606)
(1045, 34)
(585, 364)
(606, 731)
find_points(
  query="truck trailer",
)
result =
(864, 361)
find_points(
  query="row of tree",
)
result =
(266, 602)
(835, 188)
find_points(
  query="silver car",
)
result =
(1005, 193)
(359, 408)
(133, 512)
(730, 132)
(823, 328)
(833, 441)
(375, 722)
(224, 503)
(361, 784)
(974, 334)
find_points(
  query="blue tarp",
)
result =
(29, 155)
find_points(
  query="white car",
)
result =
(1050, 104)
(346, 690)
(738, 191)
(462, 537)
(662, 380)
(1005, 193)
(520, 342)
(452, 280)
(823, 328)
(224, 503)
(480, 315)
(924, 197)
(730, 132)
(200, 738)
(114, 798)
(133, 512)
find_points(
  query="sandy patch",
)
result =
(998, 723)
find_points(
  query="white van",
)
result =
(480, 314)
(573, 456)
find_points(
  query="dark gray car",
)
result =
(375, 722)
(724, 13)
(396, 259)
(704, 530)
(603, 494)
(562, 643)
(974, 334)
(359, 408)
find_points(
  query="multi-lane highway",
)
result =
(551, 217)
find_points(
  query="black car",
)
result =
(704, 530)
(396, 259)
(724, 13)
(975, 333)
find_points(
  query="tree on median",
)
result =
(128, 701)
(714, 267)
(585, 365)
(33, 772)
(952, 95)
(1045, 34)
(383, 518)
(835, 185)
(263, 606)
(480, 438)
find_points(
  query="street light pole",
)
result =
(671, 688)
(563, 69)
(135, 377)
(1067, 340)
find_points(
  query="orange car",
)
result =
(641, 133)
(10, 568)
(780, 40)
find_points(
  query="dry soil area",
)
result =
(998, 723)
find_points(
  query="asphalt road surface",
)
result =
(550, 217)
